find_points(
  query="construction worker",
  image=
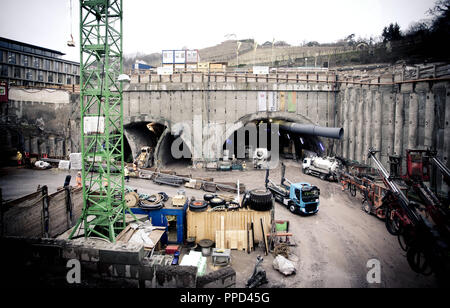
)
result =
(126, 174)
(19, 158)
(79, 183)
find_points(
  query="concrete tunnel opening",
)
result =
(291, 145)
(159, 138)
(171, 151)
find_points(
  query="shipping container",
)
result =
(217, 67)
(180, 56)
(165, 70)
(191, 67)
(203, 66)
(168, 57)
(180, 67)
(191, 56)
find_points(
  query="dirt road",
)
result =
(334, 246)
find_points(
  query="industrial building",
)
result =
(22, 64)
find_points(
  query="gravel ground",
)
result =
(333, 247)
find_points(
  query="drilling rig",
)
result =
(422, 229)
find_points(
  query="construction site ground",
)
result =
(333, 246)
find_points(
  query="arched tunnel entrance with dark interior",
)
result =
(149, 144)
(244, 142)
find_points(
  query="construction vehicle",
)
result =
(372, 202)
(261, 158)
(418, 171)
(325, 168)
(144, 159)
(298, 197)
(426, 247)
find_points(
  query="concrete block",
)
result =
(146, 271)
(175, 276)
(82, 253)
(222, 278)
(120, 270)
(122, 254)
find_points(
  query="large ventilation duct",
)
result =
(313, 130)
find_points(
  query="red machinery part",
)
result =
(418, 166)
(3, 92)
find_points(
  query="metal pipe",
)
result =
(313, 130)
(442, 167)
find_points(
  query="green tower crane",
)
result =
(104, 208)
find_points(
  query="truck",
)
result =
(301, 198)
(325, 168)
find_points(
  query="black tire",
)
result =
(366, 207)
(233, 206)
(150, 206)
(164, 196)
(418, 261)
(214, 202)
(208, 197)
(393, 225)
(260, 200)
(322, 177)
(403, 242)
(198, 206)
(292, 208)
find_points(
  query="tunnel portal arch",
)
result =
(266, 117)
(138, 134)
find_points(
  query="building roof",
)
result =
(21, 44)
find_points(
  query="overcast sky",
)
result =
(150, 26)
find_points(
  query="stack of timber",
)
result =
(230, 230)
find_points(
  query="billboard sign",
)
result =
(168, 57)
(262, 101)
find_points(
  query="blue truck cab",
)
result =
(301, 198)
(304, 198)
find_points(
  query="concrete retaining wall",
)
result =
(43, 262)
(41, 121)
(395, 118)
(25, 216)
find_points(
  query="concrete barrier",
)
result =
(34, 261)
